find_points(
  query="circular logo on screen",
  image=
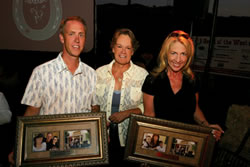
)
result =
(37, 19)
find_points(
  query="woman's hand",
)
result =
(217, 131)
(108, 123)
(118, 117)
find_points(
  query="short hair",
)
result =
(72, 18)
(49, 133)
(125, 31)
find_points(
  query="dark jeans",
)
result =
(116, 152)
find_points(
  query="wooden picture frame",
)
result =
(177, 144)
(81, 140)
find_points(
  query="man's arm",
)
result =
(32, 111)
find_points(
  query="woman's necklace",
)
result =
(117, 71)
(118, 76)
(119, 79)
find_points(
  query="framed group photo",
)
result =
(167, 143)
(61, 140)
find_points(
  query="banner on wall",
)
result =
(231, 56)
(33, 24)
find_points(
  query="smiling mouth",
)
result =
(176, 64)
(76, 46)
(121, 56)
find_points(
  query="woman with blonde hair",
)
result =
(171, 91)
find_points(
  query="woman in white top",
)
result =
(39, 144)
(119, 91)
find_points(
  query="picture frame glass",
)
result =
(168, 143)
(62, 140)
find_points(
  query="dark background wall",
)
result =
(151, 25)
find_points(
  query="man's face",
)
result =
(49, 137)
(73, 39)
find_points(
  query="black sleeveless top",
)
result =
(178, 107)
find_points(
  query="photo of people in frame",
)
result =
(146, 143)
(52, 141)
(183, 147)
(77, 139)
(154, 142)
(38, 143)
(46, 141)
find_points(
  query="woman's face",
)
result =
(39, 140)
(123, 50)
(148, 139)
(177, 57)
(54, 140)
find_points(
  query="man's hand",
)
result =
(95, 108)
(11, 159)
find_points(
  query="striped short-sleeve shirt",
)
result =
(54, 89)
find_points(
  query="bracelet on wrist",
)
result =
(204, 123)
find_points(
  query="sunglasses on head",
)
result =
(175, 34)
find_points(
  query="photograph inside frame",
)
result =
(67, 140)
(159, 143)
(50, 141)
(61, 140)
(162, 142)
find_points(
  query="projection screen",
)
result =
(33, 24)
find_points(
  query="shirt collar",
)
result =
(62, 66)
(128, 72)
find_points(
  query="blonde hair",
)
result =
(173, 37)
